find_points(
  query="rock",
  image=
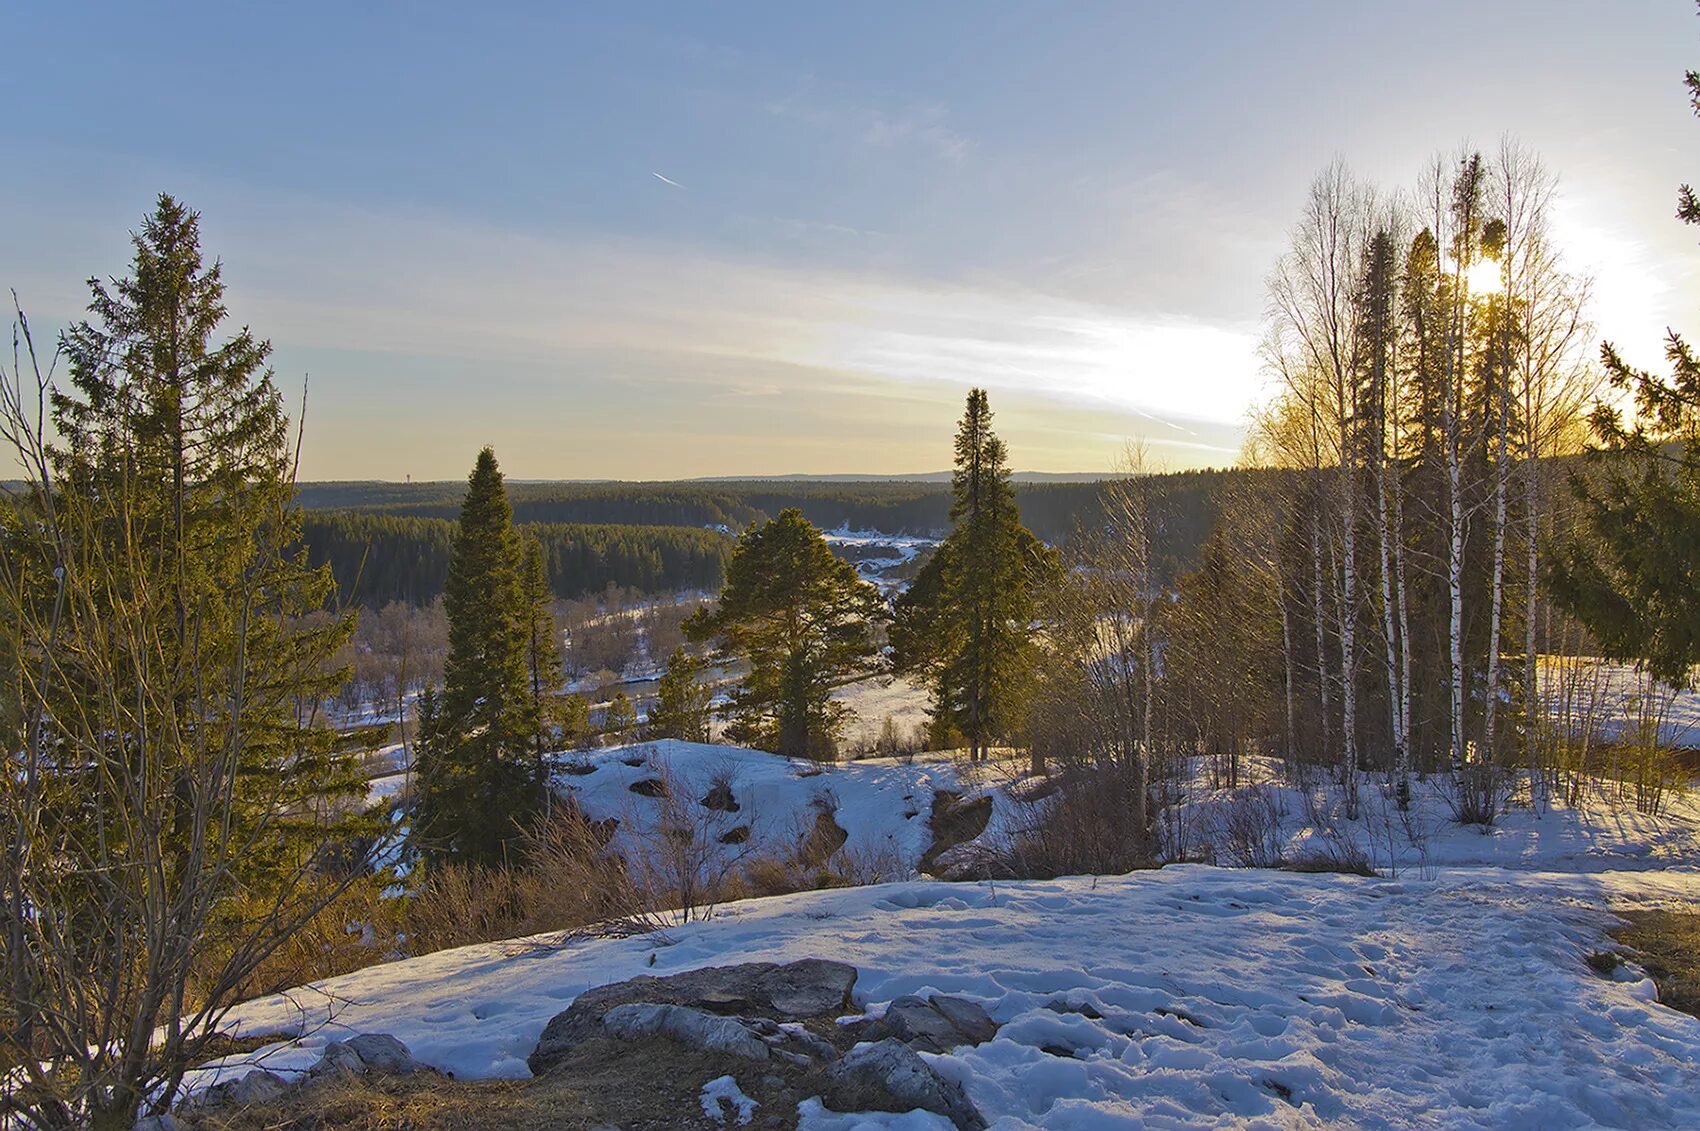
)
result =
(898, 1070)
(380, 1052)
(970, 1019)
(163, 1122)
(720, 798)
(914, 1021)
(257, 1087)
(337, 1059)
(812, 987)
(936, 1024)
(649, 787)
(688, 1026)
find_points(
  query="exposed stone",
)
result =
(915, 1022)
(380, 1052)
(163, 1122)
(681, 1023)
(720, 798)
(649, 787)
(894, 1067)
(970, 1019)
(935, 1024)
(257, 1087)
(795, 991)
(337, 1059)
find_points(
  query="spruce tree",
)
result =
(481, 784)
(619, 717)
(965, 625)
(188, 442)
(682, 702)
(542, 644)
(164, 820)
(804, 622)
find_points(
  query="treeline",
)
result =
(380, 558)
(1185, 508)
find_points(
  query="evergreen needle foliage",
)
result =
(966, 624)
(804, 622)
(170, 814)
(481, 778)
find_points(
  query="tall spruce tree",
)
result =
(480, 780)
(965, 625)
(168, 801)
(804, 622)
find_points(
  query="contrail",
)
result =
(669, 180)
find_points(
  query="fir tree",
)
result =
(480, 780)
(682, 702)
(965, 624)
(804, 622)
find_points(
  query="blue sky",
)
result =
(454, 218)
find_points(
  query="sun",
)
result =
(1484, 277)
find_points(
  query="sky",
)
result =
(655, 241)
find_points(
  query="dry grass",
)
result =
(1667, 945)
(637, 1086)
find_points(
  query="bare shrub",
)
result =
(1244, 828)
(1087, 826)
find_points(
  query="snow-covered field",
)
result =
(1185, 997)
(1454, 994)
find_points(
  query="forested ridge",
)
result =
(389, 541)
(379, 558)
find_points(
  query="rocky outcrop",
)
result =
(892, 1067)
(795, 991)
(760, 1012)
(935, 1024)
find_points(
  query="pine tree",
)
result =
(682, 701)
(480, 780)
(804, 622)
(965, 624)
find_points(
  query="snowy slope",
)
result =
(1602, 830)
(1206, 997)
(882, 804)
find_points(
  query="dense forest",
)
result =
(379, 558)
(390, 541)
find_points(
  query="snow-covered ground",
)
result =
(1453, 994)
(1185, 997)
(882, 804)
(1617, 698)
(1269, 817)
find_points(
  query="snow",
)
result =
(1451, 991)
(1189, 996)
(1602, 830)
(722, 1100)
(883, 804)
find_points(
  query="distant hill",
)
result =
(921, 477)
